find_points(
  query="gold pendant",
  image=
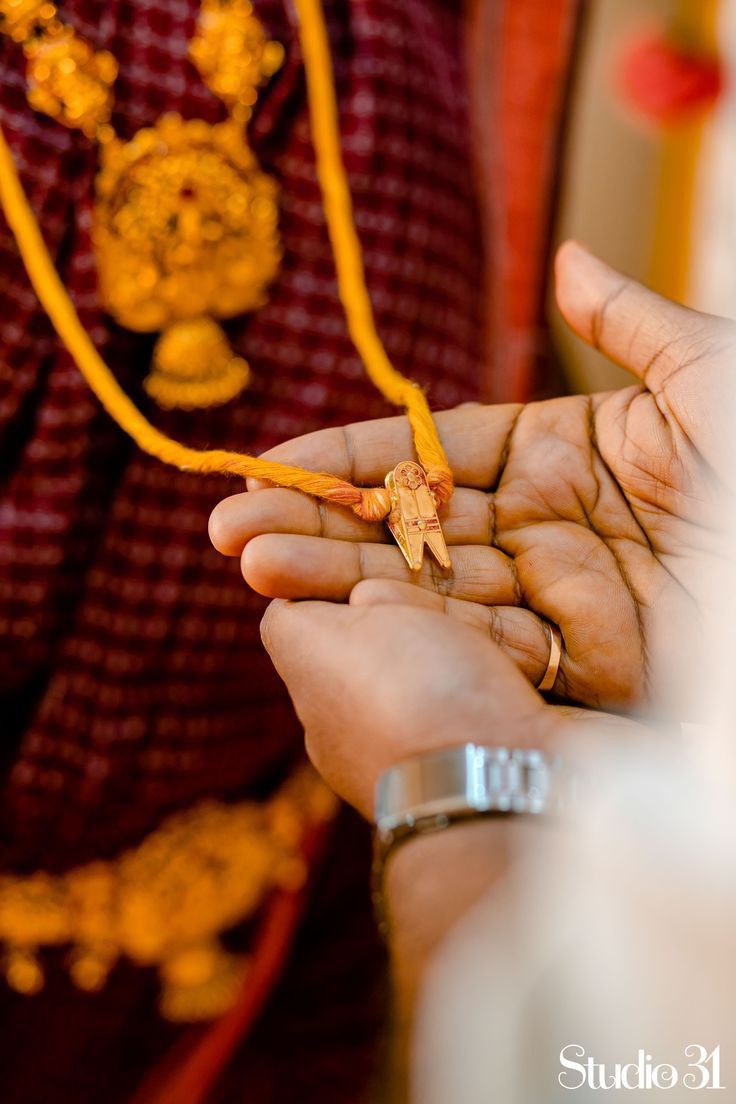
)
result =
(186, 232)
(185, 222)
(413, 518)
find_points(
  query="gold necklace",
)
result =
(412, 517)
(185, 227)
(165, 902)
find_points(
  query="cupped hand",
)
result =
(373, 685)
(598, 513)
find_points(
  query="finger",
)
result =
(350, 672)
(236, 520)
(521, 634)
(474, 438)
(329, 644)
(613, 724)
(289, 566)
(642, 331)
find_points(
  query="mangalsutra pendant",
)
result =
(413, 518)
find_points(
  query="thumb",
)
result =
(638, 329)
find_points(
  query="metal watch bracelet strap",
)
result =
(432, 791)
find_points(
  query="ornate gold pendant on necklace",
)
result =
(185, 222)
(185, 233)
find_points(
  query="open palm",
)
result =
(598, 513)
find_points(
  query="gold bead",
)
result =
(20, 18)
(231, 51)
(89, 967)
(67, 80)
(22, 971)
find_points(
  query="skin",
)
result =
(399, 681)
(595, 513)
(377, 683)
(598, 513)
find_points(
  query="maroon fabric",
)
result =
(141, 643)
(132, 679)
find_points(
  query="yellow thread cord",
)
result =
(345, 244)
(371, 504)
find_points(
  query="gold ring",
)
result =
(547, 680)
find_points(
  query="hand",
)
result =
(373, 685)
(376, 684)
(596, 513)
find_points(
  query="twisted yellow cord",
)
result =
(369, 503)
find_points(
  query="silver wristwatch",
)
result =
(432, 791)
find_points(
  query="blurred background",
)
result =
(647, 176)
